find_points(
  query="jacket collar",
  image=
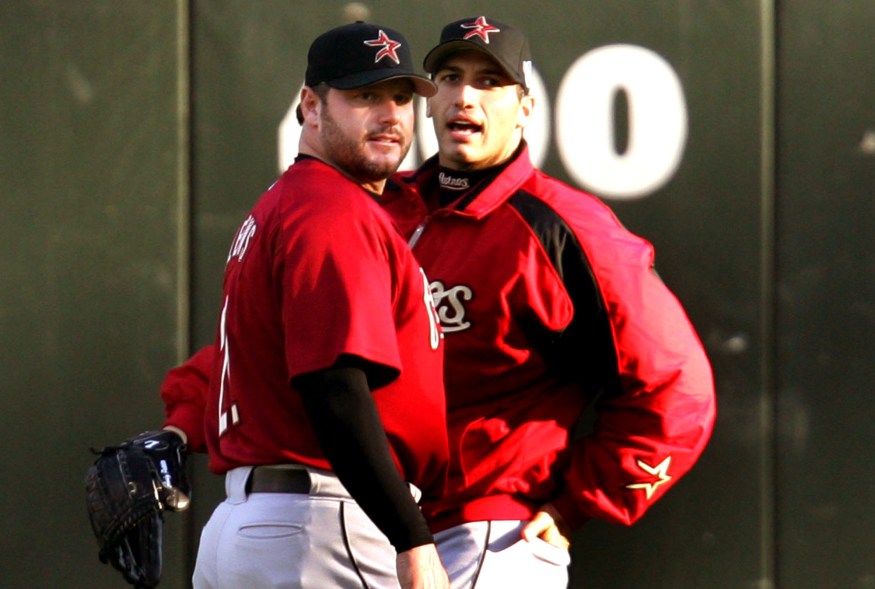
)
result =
(483, 199)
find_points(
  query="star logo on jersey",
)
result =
(480, 28)
(660, 472)
(389, 47)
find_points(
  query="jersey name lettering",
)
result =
(450, 303)
(435, 334)
(241, 241)
(452, 182)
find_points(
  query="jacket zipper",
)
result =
(417, 234)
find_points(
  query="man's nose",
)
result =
(391, 112)
(464, 95)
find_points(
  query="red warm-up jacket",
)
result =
(548, 304)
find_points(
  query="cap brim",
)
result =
(421, 85)
(440, 53)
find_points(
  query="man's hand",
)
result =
(421, 568)
(549, 526)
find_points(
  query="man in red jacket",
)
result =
(547, 305)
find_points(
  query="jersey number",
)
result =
(227, 406)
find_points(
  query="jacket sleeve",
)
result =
(657, 407)
(184, 392)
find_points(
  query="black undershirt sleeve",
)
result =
(339, 404)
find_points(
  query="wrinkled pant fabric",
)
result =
(493, 555)
(292, 541)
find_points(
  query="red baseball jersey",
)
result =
(547, 302)
(317, 271)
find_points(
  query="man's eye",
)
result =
(403, 98)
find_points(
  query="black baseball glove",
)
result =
(127, 490)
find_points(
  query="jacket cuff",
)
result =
(190, 420)
(571, 514)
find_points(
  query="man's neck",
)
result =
(454, 183)
(375, 187)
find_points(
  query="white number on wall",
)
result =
(657, 121)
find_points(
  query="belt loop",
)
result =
(235, 483)
(323, 482)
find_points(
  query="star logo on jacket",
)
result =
(480, 28)
(660, 472)
(389, 47)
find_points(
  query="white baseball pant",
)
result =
(292, 540)
(493, 555)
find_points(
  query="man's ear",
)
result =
(310, 106)
(527, 107)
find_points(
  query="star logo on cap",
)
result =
(388, 47)
(660, 471)
(480, 28)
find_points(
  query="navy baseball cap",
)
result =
(361, 54)
(505, 44)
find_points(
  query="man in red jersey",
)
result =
(548, 305)
(325, 410)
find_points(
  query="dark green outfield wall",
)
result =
(134, 136)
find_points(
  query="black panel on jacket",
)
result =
(585, 350)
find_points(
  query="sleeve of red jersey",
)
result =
(184, 392)
(338, 289)
(651, 433)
